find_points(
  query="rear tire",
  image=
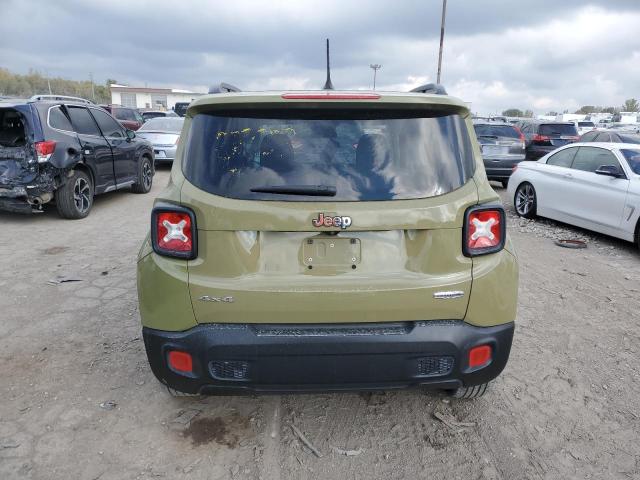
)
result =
(144, 181)
(175, 393)
(525, 200)
(75, 198)
(467, 393)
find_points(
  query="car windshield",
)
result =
(163, 124)
(558, 129)
(331, 153)
(586, 124)
(633, 159)
(496, 131)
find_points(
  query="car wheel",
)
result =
(176, 393)
(525, 200)
(145, 176)
(469, 392)
(75, 198)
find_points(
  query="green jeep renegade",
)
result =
(327, 240)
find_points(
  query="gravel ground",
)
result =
(79, 401)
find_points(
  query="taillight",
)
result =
(484, 230)
(173, 231)
(520, 134)
(540, 138)
(44, 150)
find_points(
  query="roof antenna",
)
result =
(328, 85)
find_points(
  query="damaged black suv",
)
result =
(66, 150)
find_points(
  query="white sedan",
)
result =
(591, 185)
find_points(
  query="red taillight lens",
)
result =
(540, 138)
(520, 134)
(180, 361)
(479, 356)
(45, 150)
(173, 232)
(484, 230)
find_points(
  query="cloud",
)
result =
(498, 54)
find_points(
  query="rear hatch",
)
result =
(500, 141)
(18, 161)
(556, 134)
(329, 211)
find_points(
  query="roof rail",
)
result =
(223, 88)
(35, 98)
(430, 88)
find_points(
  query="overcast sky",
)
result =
(542, 54)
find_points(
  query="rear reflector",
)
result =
(330, 96)
(173, 231)
(484, 230)
(479, 356)
(180, 361)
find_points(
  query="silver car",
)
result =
(502, 146)
(163, 133)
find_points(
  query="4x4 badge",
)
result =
(324, 220)
(207, 298)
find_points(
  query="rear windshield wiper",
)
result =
(312, 190)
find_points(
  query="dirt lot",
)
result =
(79, 401)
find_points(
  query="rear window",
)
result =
(586, 124)
(397, 157)
(124, 114)
(553, 129)
(496, 131)
(629, 138)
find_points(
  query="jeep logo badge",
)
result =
(324, 220)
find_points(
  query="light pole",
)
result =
(444, 12)
(375, 67)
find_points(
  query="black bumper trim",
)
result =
(328, 357)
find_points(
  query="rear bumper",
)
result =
(500, 168)
(284, 358)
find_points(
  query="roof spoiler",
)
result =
(434, 88)
(223, 88)
(63, 98)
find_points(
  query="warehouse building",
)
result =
(150, 98)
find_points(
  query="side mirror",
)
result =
(609, 171)
(130, 134)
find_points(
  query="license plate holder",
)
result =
(331, 251)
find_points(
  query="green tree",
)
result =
(587, 109)
(513, 112)
(528, 114)
(611, 110)
(631, 105)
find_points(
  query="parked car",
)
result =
(542, 137)
(591, 185)
(163, 133)
(68, 150)
(327, 249)
(129, 118)
(583, 126)
(614, 136)
(181, 108)
(502, 147)
(149, 114)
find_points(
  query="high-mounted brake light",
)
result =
(330, 96)
(44, 150)
(173, 231)
(484, 230)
